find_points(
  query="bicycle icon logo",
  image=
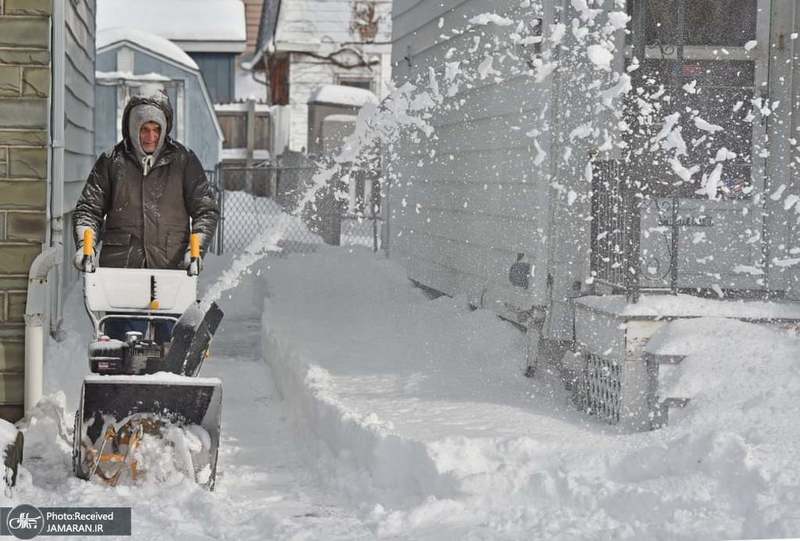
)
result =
(25, 522)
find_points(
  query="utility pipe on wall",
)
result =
(57, 144)
(39, 295)
(35, 320)
(57, 116)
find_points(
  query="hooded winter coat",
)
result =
(143, 220)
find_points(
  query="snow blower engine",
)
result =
(151, 338)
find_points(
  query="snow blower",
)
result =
(151, 337)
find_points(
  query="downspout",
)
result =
(36, 307)
(766, 240)
(57, 126)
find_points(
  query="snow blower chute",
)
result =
(151, 338)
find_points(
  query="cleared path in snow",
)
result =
(265, 488)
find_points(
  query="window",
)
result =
(679, 49)
(279, 80)
(357, 82)
(725, 23)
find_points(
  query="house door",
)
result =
(704, 66)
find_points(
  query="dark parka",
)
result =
(144, 220)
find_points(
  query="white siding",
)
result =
(79, 107)
(306, 75)
(309, 29)
(325, 22)
(459, 222)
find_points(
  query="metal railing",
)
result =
(615, 229)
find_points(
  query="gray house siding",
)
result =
(462, 220)
(457, 220)
(80, 100)
(79, 111)
(218, 70)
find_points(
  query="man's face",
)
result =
(149, 134)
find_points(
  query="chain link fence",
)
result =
(261, 202)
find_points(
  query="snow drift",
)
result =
(422, 410)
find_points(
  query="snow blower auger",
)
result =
(151, 338)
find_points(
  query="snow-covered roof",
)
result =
(146, 40)
(241, 154)
(241, 107)
(194, 25)
(339, 118)
(343, 95)
(128, 76)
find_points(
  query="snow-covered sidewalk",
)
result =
(424, 420)
(381, 413)
(265, 488)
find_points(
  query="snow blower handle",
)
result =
(194, 254)
(88, 250)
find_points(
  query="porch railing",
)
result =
(616, 231)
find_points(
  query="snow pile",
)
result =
(430, 427)
(8, 432)
(163, 451)
(670, 306)
(490, 18)
(129, 76)
(342, 95)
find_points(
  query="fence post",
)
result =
(673, 256)
(251, 144)
(273, 180)
(373, 207)
(220, 174)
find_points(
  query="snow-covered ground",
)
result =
(434, 428)
(355, 407)
(265, 487)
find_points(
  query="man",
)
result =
(142, 195)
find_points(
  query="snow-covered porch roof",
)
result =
(193, 25)
(342, 95)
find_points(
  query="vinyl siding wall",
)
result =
(459, 222)
(79, 103)
(488, 195)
